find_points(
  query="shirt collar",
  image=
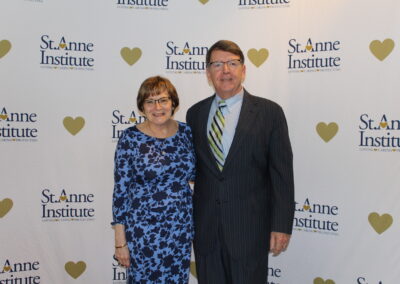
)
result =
(232, 100)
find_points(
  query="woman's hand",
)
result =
(121, 247)
(122, 255)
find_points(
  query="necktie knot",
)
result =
(221, 104)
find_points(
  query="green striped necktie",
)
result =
(215, 135)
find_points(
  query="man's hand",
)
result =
(278, 243)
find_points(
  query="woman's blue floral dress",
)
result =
(152, 198)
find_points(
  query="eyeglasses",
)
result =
(161, 101)
(218, 65)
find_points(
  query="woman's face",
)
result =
(158, 109)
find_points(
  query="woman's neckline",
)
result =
(160, 138)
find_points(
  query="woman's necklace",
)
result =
(161, 135)
(163, 132)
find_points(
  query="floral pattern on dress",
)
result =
(153, 199)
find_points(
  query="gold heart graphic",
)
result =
(3, 116)
(5, 206)
(73, 125)
(5, 47)
(62, 45)
(306, 207)
(308, 47)
(132, 119)
(193, 268)
(203, 1)
(319, 280)
(381, 49)
(383, 124)
(131, 56)
(6, 268)
(327, 132)
(380, 223)
(258, 57)
(63, 198)
(75, 269)
(186, 50)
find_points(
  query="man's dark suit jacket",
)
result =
(254, 194)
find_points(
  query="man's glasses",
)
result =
(218, 65)
(161, 101)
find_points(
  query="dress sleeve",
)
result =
(123, 168)
(193, 154)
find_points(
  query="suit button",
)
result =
(218, 201)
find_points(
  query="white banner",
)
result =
(70, 72)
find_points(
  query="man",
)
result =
(244, 189)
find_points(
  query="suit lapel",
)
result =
(246, 118)
(206, 150)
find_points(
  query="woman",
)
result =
(152, 201)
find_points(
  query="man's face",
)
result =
(227, 79)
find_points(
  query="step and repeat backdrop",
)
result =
(70, 71)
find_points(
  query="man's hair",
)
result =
(225, 45)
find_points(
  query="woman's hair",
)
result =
(154, 86)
